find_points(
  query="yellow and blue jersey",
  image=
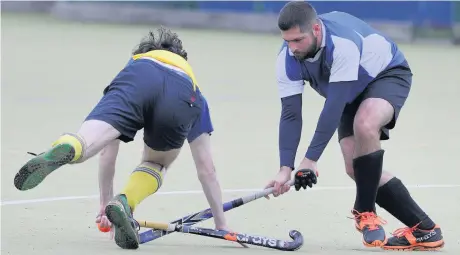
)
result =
(179, 66)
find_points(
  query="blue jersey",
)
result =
(204, 123)
(352, 54)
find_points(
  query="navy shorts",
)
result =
(148, 95)
(392, 85)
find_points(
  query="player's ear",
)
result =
(317, 29)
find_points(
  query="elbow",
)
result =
(206, 177)
(291, 116)
(205, 170)
(206, 173)
(108, 155)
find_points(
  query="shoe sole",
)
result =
(376, 243)
(125, 234)
(36, 169)
(436, 247)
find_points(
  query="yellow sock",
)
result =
(74, 141)
(143, 182)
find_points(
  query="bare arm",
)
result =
(201, 152)
(107, 160)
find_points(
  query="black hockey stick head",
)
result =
(263, 241)
(297, 241)
(277, 244)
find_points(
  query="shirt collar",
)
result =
(323, 44)
(323, 31)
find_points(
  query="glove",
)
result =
(304, 178)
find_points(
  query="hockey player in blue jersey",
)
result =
(365, 80)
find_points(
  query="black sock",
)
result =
(368, 170)
(396, 199)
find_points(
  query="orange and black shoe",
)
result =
(370, 225)
(414, 239)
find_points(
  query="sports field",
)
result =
(53, 73)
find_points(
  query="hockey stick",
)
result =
(295, 244)
(195, 218)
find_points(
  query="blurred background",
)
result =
(232, 47)
(58, 56)
(405, 21)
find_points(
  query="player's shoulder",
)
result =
(286, 57)
(346, 26)
(341, 25)
(286, 64)
(137, 67)
(284, 50)
(342, 33)
(338, 16)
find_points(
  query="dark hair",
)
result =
(164, 40)
(297, 13)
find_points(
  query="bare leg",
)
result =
(160, 159)
(347, 145)
(164, 158)
(372, 115)
(95, 135)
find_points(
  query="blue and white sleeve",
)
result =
(290, 88)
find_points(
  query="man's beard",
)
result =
(310, 52)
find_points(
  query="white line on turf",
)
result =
(188, 192)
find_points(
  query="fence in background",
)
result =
(403, 20)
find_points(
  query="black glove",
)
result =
(304, 178)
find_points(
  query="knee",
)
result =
(365, 128)
(372, 115)
(153, 166)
